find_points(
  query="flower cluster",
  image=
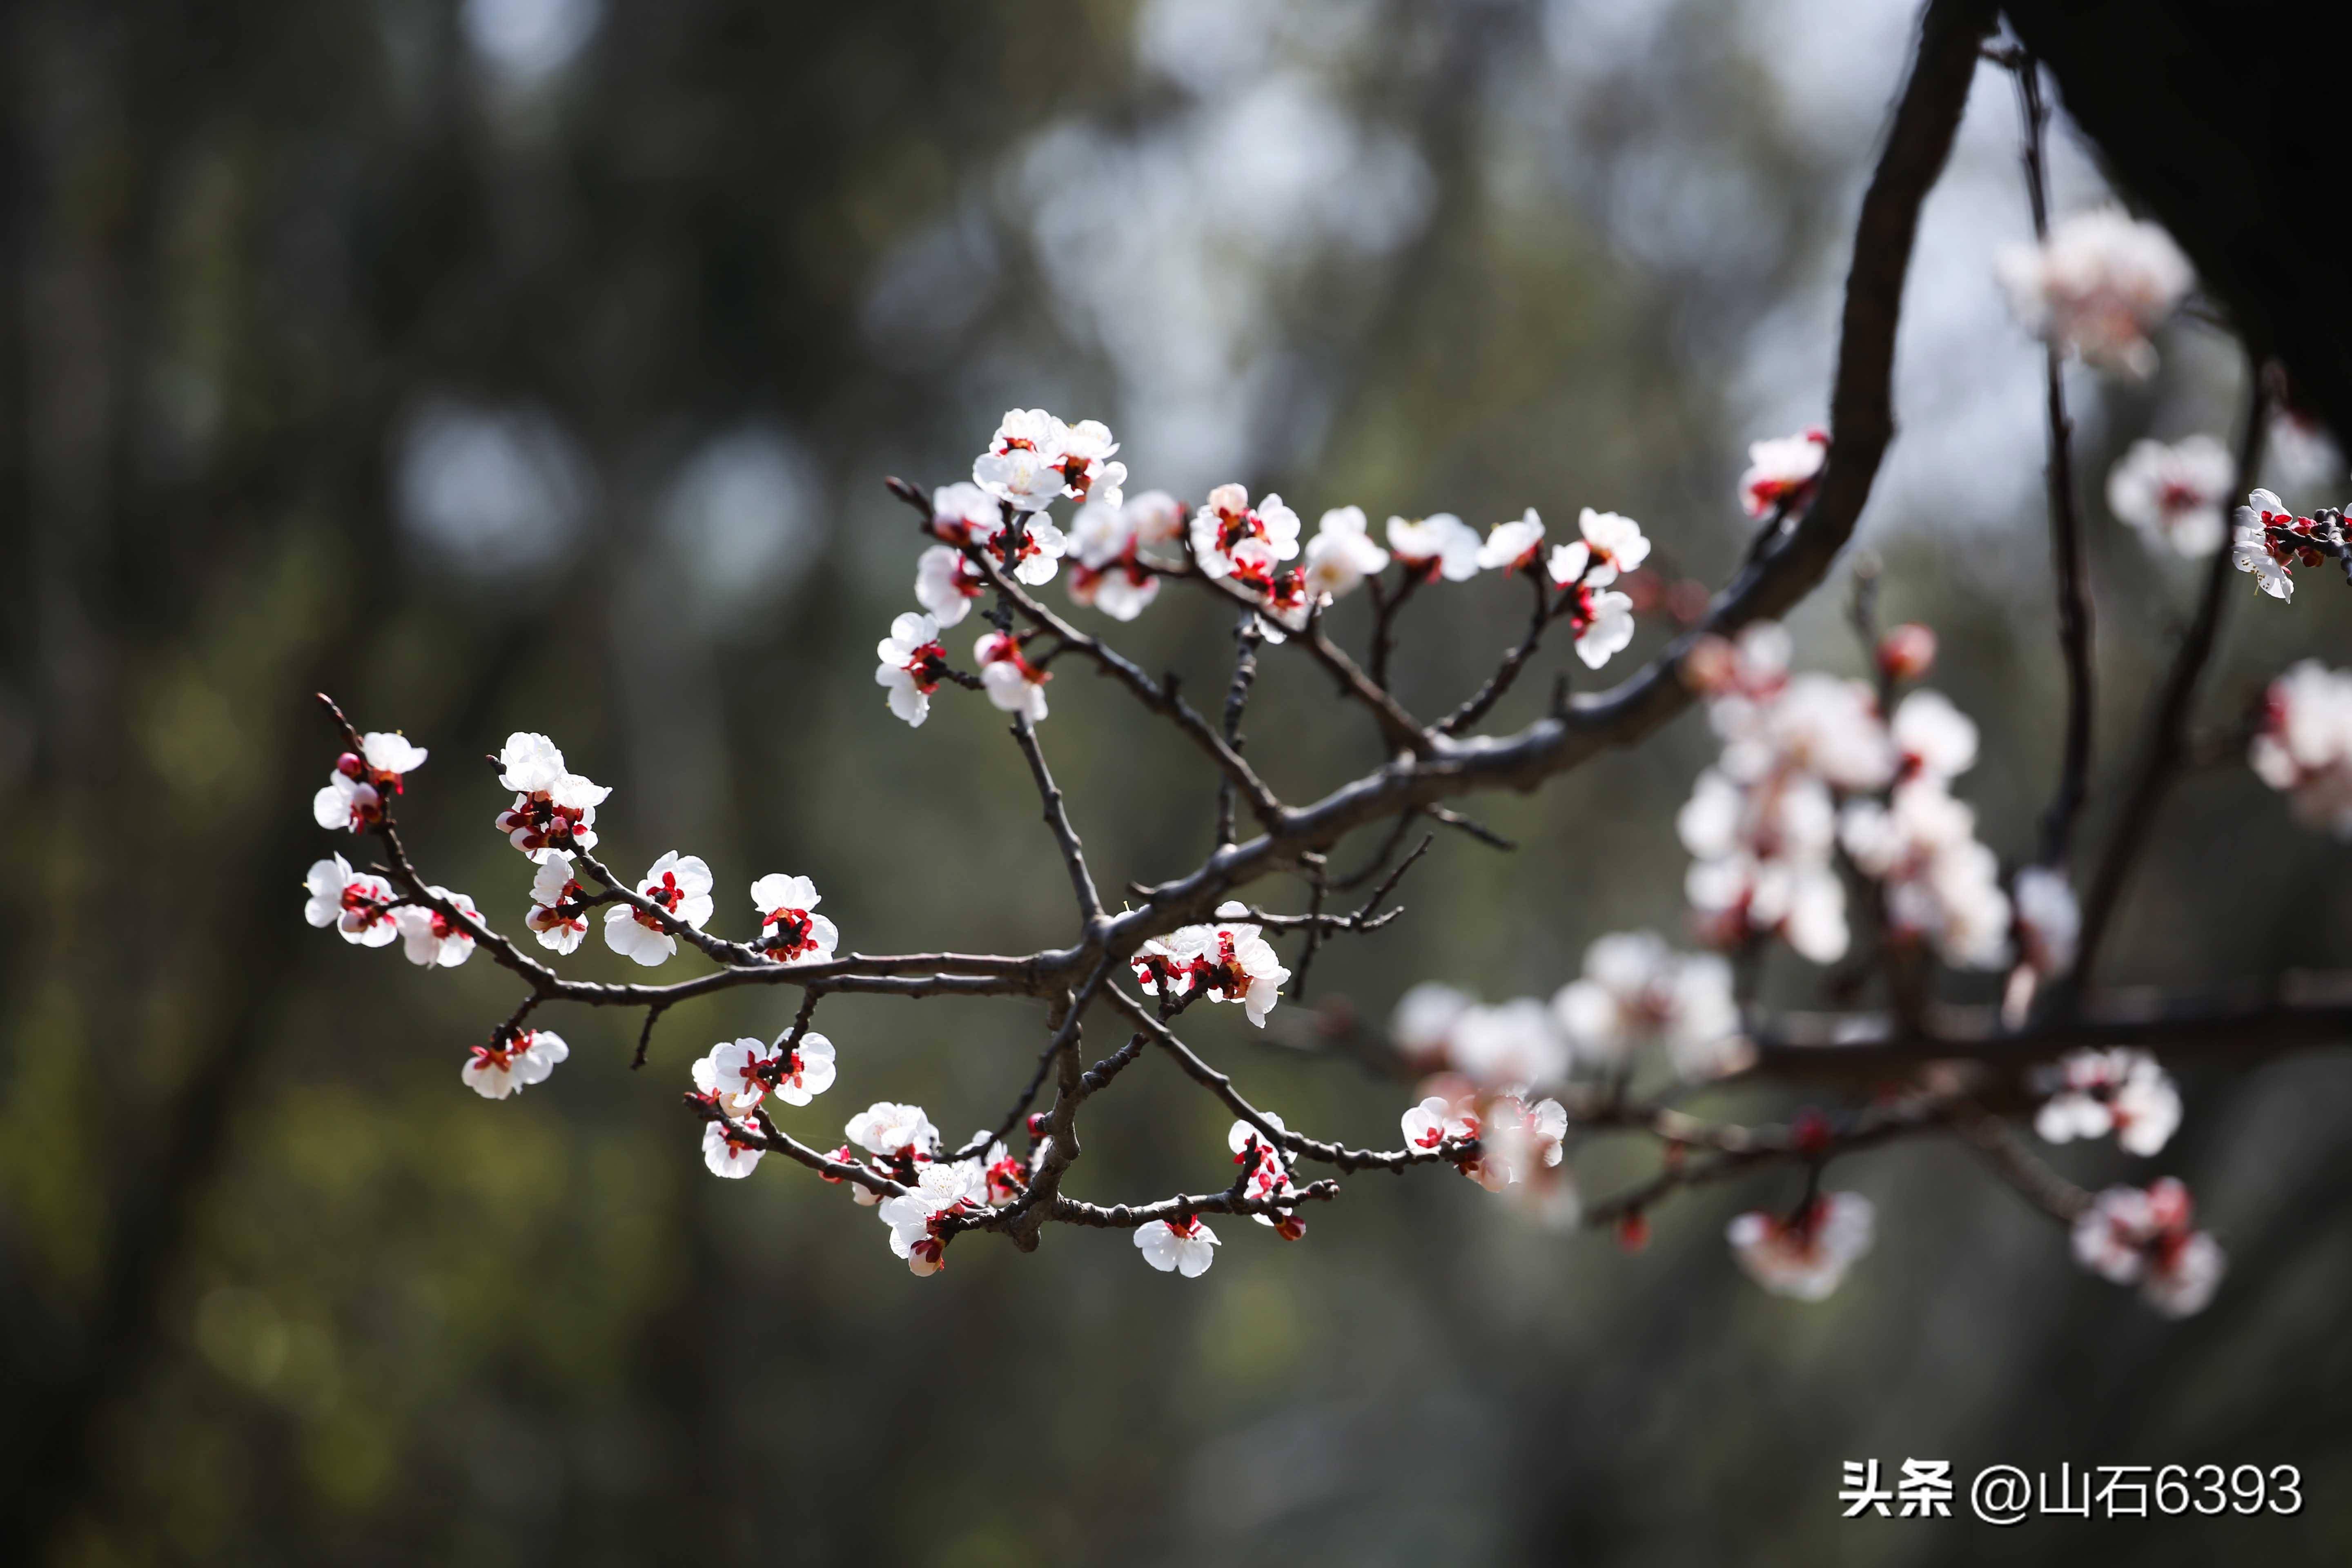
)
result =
(554, 808)
(1228, 962)
(2142, 1237)
(1804, 1256)
(1941, 885)
(2303, 748)
(1499, 1140)
(353, 794)
(2269, 541)
(2094, 1093)
(2174, 494)
(2098, 286)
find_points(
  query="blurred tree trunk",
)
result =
(2225, 119)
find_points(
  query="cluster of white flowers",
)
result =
(2098, 285)
(2269, 540)
(353, 794)
(2094, 1093)
(1762, 824)
(2174, 495)
(554, 808)
(508, 1064)
(1228, 962)
(1804, 1256)
(1810, 765)
(2142, 1237)
(1782, 472)
(1118, 550)
(1500, 1141)
(2303, 748)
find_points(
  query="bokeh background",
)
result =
(536, 363)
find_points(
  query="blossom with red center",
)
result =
(559, 915)
(735, 1075)
(2123, 1091)
(1228, 962)
(895, 1133)
(945, 582)
(679, 887)
(1184, 1247)
(554, 808)
(358, 904)
(1107, 569)
(1035, 459)
(1439, 1120)
(789, 931)
(2098, 285)
(431, 938)
(940, 1192)
(2304, 747)
(1267, 1175)
(2269, 540)
(1805, 1256)
(730, 1149)
(1006, 1174)
(1782, 472)
(353, 797)
(2143, 1236)
(1226, 523)
(1013, 685)
(912, 666)
(1341, 555)
(2174, 494)
(507, 1065)
(965, 514)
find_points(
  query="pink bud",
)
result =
(1907, 652)
(350, 765)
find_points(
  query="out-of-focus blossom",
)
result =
(2048, 920)
(2174, 494)
(1513, 546)
(2142, 1237)
(2123, 1091)
(1341, 555)
(1906, 652)
(1941, 884)
(1438, 546)
(1511, 1046)
(1934, 739)
(1013, 685)
(1782, 473)
(1424, 1021)
(1637, 992)
(1805, 1258)
(2303, 748)
(2098, 286)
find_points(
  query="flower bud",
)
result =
(350, 765)
(1906, 652)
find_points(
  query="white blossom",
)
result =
(557, 917)
(791, 933)
(356, 903)
(1782, 472)
(1604, 624)
(1228, 533)
(938, 1190)
(1636, 992)
(1013, 685)
(1438, 546)
(497, 1071)
(2048, 920)
(554, 808)
(1805, 1259)
(1229, 961)
(1188, 1249)
(911, 662)
(1616, 543)
(2304, 747)
(1108, 570)
(894, 1131)
(431, 939)
(1341, 555)
(1934, 739)
(2174, 495)
(2123, 1091)
(945, 582)
(2253, 549)
(678, 885)
(1424, 1017)
(2142, 1237)
(1512, 1045)
(733, 1075)
(1510, 546)
(2098, 285)
(730, 1149)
